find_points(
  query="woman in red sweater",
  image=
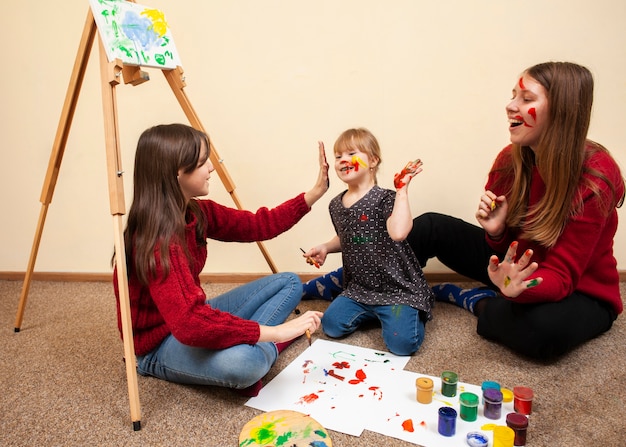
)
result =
(551, 196)
(180, 336)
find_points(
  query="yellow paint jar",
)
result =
(424, 390)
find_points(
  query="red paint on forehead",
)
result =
(521, 84)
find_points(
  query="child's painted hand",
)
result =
(402, 178)
(316, 256)
(310, 260)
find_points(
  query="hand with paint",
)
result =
(322, 183)
(310, 260)
(491, 214)
(309, 321)
(317, 255)
(402, 178)
(510, 276)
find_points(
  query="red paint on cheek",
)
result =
(532, 112)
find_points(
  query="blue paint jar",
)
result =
(447, 421)
(477, 439)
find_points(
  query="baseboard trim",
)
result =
(234, 278)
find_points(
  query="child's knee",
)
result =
(333, 327)
(401, 344)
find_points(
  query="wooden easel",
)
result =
(111, 72)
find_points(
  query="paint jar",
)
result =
(522, 400)
(469, 406)
(503, 436)
(449, 381)
(492, 408)
(477, 439)
(424, 390)
(519, 424)
(489, 384)
(447, 421)
(507, 395)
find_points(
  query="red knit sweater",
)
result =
(176, 304)
(582, 259)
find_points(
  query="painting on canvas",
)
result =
(135, 34)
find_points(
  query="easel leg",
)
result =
(31, 267)
(110, 75)
(176, 80)
(63, 130)
(127, 329)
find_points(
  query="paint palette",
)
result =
(284, 427)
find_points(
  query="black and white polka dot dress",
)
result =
(377, 270)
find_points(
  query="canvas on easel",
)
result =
(135, 34)
(112, 72)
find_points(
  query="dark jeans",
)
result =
(542, 330)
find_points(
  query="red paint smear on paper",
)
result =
(360, 377)
(376, 391)
(341, 365)
(408, 426)
(309, 398)
(332, 373)
(395, 416)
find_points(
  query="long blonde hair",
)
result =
(559, 156)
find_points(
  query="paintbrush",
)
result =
(310, 260)
(308, 336)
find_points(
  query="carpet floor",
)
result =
(64, 382)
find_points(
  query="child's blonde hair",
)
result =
(362, 140)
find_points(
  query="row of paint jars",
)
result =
(493, 396)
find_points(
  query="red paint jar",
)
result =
(519, 424)
(523, 400)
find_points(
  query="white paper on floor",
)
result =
(348, 389)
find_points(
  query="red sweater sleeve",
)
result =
(233, 225)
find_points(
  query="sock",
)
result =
(251, 391)
(280, 347)
(326, 287)
(465, 298)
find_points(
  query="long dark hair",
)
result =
(157, 214)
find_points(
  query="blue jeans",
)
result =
(403, 329)
(268, 300)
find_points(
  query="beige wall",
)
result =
(269, 79)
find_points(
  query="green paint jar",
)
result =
(469, 406)
(449, 381)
